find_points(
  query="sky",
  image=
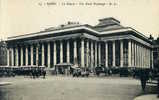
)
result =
(19, 17)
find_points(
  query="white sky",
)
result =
(27, 16)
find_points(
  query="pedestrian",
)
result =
(157, 75)
(143, 78)
(158, 87)
(44, 73)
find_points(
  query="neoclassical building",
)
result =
(106, 44)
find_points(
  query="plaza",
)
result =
(69, 88)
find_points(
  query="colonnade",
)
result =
(86, 51)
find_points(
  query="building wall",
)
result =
(87, 51)
(84, 45)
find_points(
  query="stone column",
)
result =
(82, 53)
(132, 56)
(142, 56)
(121, 53)
(55, 53)
(140, 60)
(61, 52)
(21, 51)
(37, 55)
(129, 53)
(26, 55)
(92, 56)
(31, 54)
(152, 59)
(113, 53)
(99, 54)
(95, 53)
(68, 52)
(12, 57)
(145, 58)
(75, 51)
(43, 55)
(16, 50)
(87, 54)
(106, 54)
(8, 56)
(148, 57)
(48, 54)
(137, 55)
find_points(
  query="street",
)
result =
(69, 88)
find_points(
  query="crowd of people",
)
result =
(32, 72)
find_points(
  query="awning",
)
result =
(75, 66)
(64, 64)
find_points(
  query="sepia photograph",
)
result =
(79, 50)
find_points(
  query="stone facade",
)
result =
(107, 44)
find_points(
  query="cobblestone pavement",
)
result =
(69, 88)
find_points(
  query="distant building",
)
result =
(107, 44)
(3, 53)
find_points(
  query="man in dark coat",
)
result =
(157, 77)
(158, 87)
(144, 76)
(44, 73)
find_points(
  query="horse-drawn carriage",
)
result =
(78, 71)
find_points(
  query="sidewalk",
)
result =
(147, 97)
